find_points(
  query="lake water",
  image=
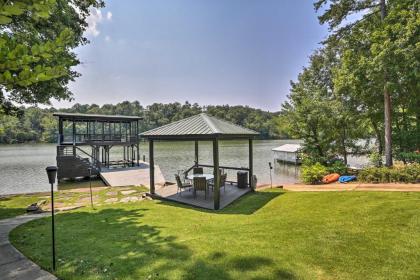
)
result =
(22, 167)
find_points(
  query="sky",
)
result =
(236, 52)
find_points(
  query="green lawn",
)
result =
(11, 206)
(266, 235)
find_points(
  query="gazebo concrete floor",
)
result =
(231, 194)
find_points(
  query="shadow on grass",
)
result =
(247, 204)
(116, 244)
(6, 212)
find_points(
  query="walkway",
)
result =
(14, 265)
(383, 187)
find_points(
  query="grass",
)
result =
(11, 206)
(265, 235)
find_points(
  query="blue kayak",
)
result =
(346, 179)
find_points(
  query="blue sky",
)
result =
(205, 51)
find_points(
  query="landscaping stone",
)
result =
(111, 193)
(128, 192)
(111, 200)
(130, 199)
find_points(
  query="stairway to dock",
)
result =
(131, 176)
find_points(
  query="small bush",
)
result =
(337, 167)
(411, 157)
(409, 173)
(312, 174)
(375, 159)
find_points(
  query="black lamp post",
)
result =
(52, 173)
(271, 179)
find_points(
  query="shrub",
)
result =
(375, 159)
(409, 173)
(410, 157)
(337, 167)
(313, 173)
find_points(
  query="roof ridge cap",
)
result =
(229, 122)
(210, 123)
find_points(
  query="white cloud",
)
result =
(93, 21)
(108, 15)
(107, 38)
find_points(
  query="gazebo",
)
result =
(201, 127)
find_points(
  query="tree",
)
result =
(36, 42)
(380, 52)
(325, 119)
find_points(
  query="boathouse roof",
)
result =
(288, 148)
(84, 117)
(201, 126)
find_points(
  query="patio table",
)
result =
(208, 176)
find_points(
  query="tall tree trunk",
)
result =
(387, 107)
(343, 144)
(418, 126)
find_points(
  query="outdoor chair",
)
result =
(200, 184)
(198, 170)
(223, 178)
(181, 186)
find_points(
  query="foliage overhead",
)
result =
(36, 42)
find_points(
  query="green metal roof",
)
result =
(201, 126)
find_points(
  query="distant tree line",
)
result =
(34, 124)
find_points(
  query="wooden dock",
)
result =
(131, 176)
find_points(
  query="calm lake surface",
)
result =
(22, 167)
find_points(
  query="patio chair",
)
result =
(198, 170)
(200, 184)
(223, 178)
(181, 186)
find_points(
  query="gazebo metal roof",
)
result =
(201, 126)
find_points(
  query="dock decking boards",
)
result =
(138, 175)
(232, 193)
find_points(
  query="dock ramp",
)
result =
(131, 176)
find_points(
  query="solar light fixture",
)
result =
(271, 179)
(52, 174)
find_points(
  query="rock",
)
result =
(41, 202)
(128, 192)
(33, 208)
(111, 200)
(111, 193)
(148, 198)
(129, 199)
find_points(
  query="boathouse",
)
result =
(85, 142)
(288, 153)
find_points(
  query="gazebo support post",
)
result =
(251, 159)
(216, 173)
(151, 168)
(196, 153)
